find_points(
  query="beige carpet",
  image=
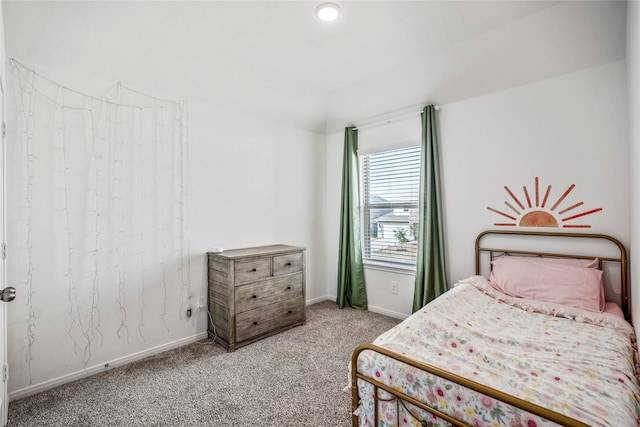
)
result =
(292, 379)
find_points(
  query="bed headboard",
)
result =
(612, 254)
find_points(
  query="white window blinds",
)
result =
(390, 187)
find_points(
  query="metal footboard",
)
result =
(401, 398)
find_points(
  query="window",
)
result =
(390, 187)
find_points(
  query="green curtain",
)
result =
(431, 280)
(351, 286)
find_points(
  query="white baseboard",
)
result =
(373, 308)
(319, 299)
(389, 313)
(46, 385)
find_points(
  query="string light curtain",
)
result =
(97, 224)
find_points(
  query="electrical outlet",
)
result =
(394, 288)
(202, 303)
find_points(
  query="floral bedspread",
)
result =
(571, 361)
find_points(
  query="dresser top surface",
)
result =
(256, 251)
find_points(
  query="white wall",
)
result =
(566, 130)
(251, 183)
(2, 46)
(255, 183)
(633, 78)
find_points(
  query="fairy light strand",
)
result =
(117, 165)
(21, 69)
(138, 189)
(159, 226)
(180, 154)
(67, 240)
(30, 159)
(94, 323)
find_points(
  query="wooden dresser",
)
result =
(255, 293)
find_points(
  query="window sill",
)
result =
(381, 266)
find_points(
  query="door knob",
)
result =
(8, 294)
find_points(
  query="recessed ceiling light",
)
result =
(328, 11)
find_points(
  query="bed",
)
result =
(484, 355)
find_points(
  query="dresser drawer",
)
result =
(247, 270)
(267, 292)
(285, 264)
(265, 319)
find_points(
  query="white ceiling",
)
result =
(277, 61)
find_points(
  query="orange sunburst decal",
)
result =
(524, 212)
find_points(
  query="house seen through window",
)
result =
(389, 193)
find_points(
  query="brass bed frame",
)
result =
(401, 398)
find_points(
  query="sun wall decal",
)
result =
(528, 213)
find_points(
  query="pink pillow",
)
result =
(613, 308)
(541, 280)
(588, 263)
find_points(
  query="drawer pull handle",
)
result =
(290, 311)
(254, 296)
(288, 287)
(255, 323)
(253, 269)
(288, 263)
